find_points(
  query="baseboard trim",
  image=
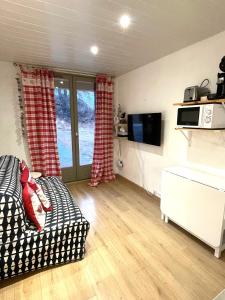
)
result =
(139, 187)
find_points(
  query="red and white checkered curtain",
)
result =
(102, 166)
(40, 118)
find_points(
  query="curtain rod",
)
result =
(61, 70)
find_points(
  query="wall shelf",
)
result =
(187, 132)
(199, 129)
(218, 101)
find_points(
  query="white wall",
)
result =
(11, 140)
(154, 88)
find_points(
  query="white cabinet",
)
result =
(195, 201)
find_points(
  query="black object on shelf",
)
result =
(220, 93)
(212, 97)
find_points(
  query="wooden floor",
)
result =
(131, 254)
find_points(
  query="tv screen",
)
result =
(145, 128)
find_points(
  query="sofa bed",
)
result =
(22, 247)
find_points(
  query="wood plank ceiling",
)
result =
(59, 33)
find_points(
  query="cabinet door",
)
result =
(194, 206)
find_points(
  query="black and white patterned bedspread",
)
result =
(65, 210)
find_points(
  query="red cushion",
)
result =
(26, 177)
(33, 207)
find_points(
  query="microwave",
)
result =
(201, 116)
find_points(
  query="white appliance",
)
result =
(195, 200)
(201, 116)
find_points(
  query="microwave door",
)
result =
(189, 116)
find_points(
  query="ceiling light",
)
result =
(94, 50)
(61, 82)
(124, 21)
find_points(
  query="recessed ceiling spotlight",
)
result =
(94, 50)
(125, 21)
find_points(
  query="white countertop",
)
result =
(209, 179)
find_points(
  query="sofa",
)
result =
(22, 248)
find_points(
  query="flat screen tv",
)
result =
(145, 128)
